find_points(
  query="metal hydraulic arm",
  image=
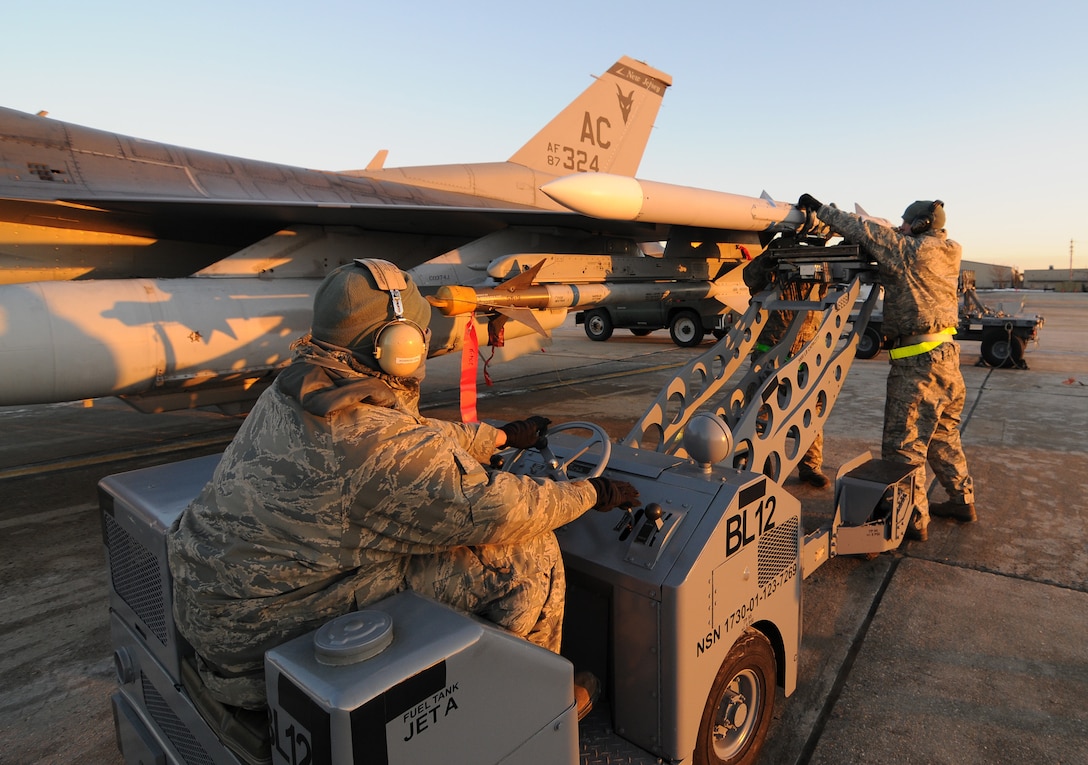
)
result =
(766, 420)
(773, 412)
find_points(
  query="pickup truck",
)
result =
(687, 321)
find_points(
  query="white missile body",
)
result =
(165, 340)
(64, 341)
(729, 290)
(617, 197)
(590, 269)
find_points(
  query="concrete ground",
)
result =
(969, 648)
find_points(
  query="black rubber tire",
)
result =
(742, 696)
(598, 325)
(869, 343)
(641, 332)
(1001, 349)
(686, 328)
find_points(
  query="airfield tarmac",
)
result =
(969, 648)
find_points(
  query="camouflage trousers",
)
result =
(518, 587)
(814, 458)
(925, 398)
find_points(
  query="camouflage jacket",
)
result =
(920, 274)
(314, 512)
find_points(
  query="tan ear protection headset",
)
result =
(401, 345)
(924, 223)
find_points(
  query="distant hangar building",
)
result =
(989, 276)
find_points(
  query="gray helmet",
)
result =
(924, 216)
(350, 308)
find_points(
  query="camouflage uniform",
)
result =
(336, 493)
(757, 278)
(925, 392)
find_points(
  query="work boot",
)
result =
(964, 513)
(586, 691)
(813, 477)
(916, 531)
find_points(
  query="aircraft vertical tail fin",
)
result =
(605, 129)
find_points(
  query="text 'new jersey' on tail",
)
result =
(605, 129)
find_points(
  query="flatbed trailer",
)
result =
(687, 608)
(1004, 336)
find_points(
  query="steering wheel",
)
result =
(555, 468)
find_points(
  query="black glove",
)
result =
(808, 202)
(612, 494)
(760, 273)
(524, 434)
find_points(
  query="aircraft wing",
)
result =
(213, 220)
(135, 268)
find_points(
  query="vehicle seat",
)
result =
(244, 731)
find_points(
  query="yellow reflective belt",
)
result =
(919, 348)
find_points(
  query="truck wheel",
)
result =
(870, 343)
(598, 325)
(641, 332)
(1001, 349)
(686, 329)
(738, 711)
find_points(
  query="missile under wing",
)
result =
(108, 243)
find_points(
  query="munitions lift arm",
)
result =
(776, 409)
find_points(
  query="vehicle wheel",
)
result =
(1001, 349)
(686, 329)
(641, 332)
(870, 343)
(738, 711)
(598, 325)
(719, 333)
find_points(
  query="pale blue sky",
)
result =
(980, 104)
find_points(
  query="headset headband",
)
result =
(389, 278)
(400, 345)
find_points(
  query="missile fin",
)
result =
(524, 279)
(524, 315)
(864, 215)
(378, 163)
(731, 291)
